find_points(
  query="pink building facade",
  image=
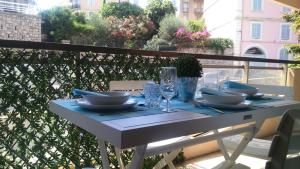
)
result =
(264, 29)
(255, 26)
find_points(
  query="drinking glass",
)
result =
(152, 94)
(211, 80)
(168, 76)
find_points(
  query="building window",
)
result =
(285, 31)
(257, 5)
(1, 26)
(91, 3)
(185, 6)
(256, 29)
(286, 10)
(15, 27)
(283, 54)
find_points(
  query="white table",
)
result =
(138, 132)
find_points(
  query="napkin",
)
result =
(206, 90)
(236, 85)
(78, 92)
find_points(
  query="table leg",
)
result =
(104, 156)
(119, 157)
(230, 160)
(167, 160)
(138, 158)
(222, 146)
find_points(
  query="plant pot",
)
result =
(186, 88)
(294, 80)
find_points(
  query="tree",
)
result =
(121, 10)
(294, 18)
(156, 10)
(101, 30)
(61, 23)
(168, 27)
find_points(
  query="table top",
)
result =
(135, 127)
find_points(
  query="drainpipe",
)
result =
(242, 20)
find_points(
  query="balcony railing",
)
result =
(17, 7)
(33, 73)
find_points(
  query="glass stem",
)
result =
(168, 104)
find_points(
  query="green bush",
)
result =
(169, 26)
(188, 66)
(294, 50)
(218, 44)
(62, 23)
(101, 30)
(196, 25)
(153, 43)
(156, 10)
(121, 10)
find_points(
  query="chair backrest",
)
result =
(285, 147)
(283, 91)
(132, 86)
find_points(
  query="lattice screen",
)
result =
(33, 137)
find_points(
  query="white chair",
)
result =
(260, 147)
(132, 86)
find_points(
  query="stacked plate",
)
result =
(235, 87)
(105, 100)
(223, 100)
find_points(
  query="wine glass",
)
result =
(168, 76)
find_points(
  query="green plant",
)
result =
(169, 26)
(61, 23)
(100, 34)
(156, 10)
(294, 50)
(218, 44)
(196, 25)
(153, 43)
(188, 66)
(121, 10)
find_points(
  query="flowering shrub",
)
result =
(131, 30)
(200, 36)
(184, 38)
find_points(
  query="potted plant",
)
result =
(293, 78)
(188, 71)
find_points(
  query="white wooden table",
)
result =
(138, 132)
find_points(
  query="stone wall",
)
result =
(17, 26)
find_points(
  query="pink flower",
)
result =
(206, 33)
(180, 32)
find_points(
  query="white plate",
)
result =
(109, 98)
(230, 99)
(87, 105)
(246, 91)
(242, 105)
